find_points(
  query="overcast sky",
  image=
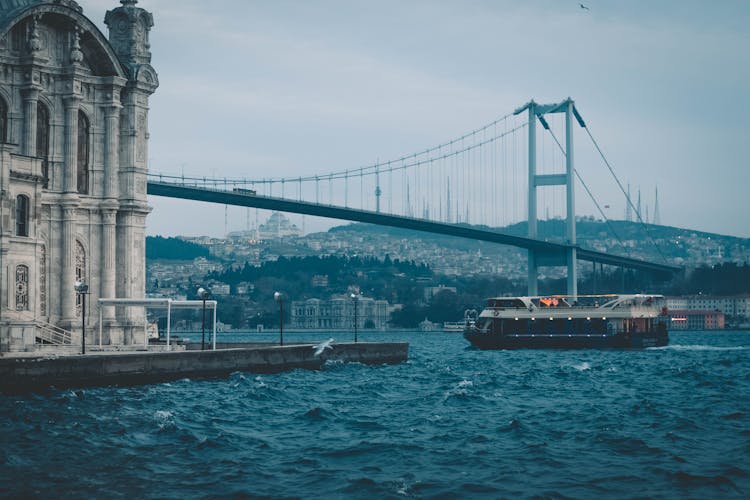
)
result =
(276, 87)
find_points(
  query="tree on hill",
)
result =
(158, 247)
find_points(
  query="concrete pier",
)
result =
(28, 373)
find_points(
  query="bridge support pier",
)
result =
(572, 273)
(533, 276)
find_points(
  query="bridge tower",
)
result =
(536, 257)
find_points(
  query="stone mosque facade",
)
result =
(73, 164)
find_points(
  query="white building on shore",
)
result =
(735, 307)
(338, 313)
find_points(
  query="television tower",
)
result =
(378, 191)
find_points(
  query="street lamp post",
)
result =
(355, 298)
(279, 297)
(203, 295)
(82, 289)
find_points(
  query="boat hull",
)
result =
(566, 341)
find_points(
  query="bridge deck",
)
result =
(547, 251)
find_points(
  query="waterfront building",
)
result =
(696, 319)
(734, 307)
(73, 162)
(338, 313)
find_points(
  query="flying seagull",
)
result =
(322, 347)
(583, 6)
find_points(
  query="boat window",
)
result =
(484, 325)
(506, 303)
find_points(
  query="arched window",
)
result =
(80, 272)
(22, 215)
(22, 288)
(42, 139)
(3, 121)
(83, 153)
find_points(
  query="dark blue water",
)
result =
(453, 422)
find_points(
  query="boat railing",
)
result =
(582, 302)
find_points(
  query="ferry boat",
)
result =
(591, 321)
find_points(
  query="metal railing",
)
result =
(51, 334)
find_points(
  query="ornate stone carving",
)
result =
(76, 56)
(35, 41)
(129, 31)
(70, 3)
(43, 280)
(22, 288)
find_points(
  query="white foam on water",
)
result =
(699, 347)
(162, 415)
(164, 419)
(582, 366)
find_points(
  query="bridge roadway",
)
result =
(548, 253)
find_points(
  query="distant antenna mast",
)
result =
(378, 192)
(657, 215)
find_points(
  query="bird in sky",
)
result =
(583, 6)
(322, 347)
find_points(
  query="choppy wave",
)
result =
(452, 422)
(680, 347)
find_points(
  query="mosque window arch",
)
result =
(80, 273)
(42, 139)
(83, 153)
(22, 288)
(22, 215)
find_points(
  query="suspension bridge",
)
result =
(465, 187)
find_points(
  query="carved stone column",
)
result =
(109, 256)
(68, 274)
(71, 144)
(30, 100)
(112, 149)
